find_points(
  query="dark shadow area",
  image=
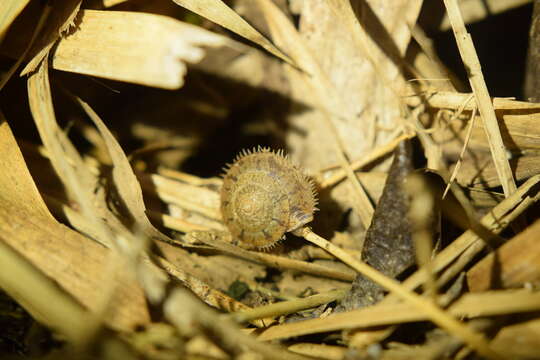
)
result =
(501, 42)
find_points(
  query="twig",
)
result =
(485, 106)
(471, 305)
(279, 262)
(366, 159)
(288, 307)
(461, 154)
(453, 100)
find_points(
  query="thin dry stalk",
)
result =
(454, 100)
(373, 155)
(483, 101)
(433, 312)
(279, 262)
(288, 307)
(471, 305)
(461, 154)
(428, 61)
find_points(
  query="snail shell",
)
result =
(263, 196)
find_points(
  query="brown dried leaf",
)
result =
(124, 178)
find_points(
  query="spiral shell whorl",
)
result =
(263, 196)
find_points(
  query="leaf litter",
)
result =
(112, 226)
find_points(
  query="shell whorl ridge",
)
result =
(263, 196)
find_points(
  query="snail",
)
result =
(264, 196)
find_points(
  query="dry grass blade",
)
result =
(364, 37)
(443, 319)
(279, 262)
(119, 238)
(527, 332)
(115, 45)
(469, 305)
(485, 106)
(497, 220)
(288, 307)
(454, 100)
(126, 182)
(67, 162)
(460, 159)
(9, 9)
(218, 12)
(173, 223)
(17, 182)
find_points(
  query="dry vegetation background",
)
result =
(116, 117)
